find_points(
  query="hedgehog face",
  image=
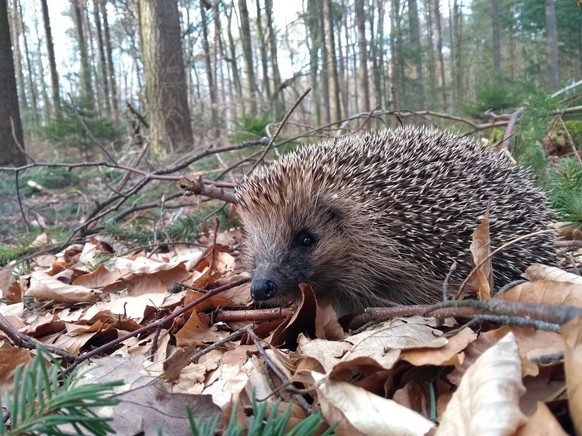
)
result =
(301, 241)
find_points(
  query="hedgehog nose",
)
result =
(263, 289)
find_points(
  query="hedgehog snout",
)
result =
(263, 288)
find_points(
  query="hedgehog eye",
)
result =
(305, 239)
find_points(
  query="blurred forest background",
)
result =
(108, 81)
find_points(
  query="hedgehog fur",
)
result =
(378, 219)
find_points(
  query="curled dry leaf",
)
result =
(572, 333)
(44, 287)
(481, 282)
(358, 411)
(545, 291)
(541, 423)
(487, 400)
(538, 271)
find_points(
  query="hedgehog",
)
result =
(378, 219)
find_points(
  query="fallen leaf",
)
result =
(358, 411)
(541, 423)
(44, 287)
(572, 333)
(487, 399)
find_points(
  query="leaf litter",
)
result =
(406, 375)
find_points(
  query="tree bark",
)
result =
(496, 35)
(439, 48)
(110, 68)
(245, 34)
(263, 51)
(165, 77)
(10, 154)
(210, 77)
(416, 51)
(363, 55)
(86, 85)
(334, 92)
(279, 101)
(50, 48)
(552, 36)
(102, 58)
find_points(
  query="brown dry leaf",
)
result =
(541, 423)
(197, 330)
(146, 402)
(98, 278)
(481, 282)
(44, 287)
(207, 305)
(538, 272)
(572, 333)
(450, 354)
(399, 334)
(487, 400)
(532, 343)
(359, 412)
(545, 291)
(327, 325)
(10, 359)
(226, 382)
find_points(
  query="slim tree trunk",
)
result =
(416, 50)
(263, 51)
(312, 21)
(86, 85)
(439, 48)
(245, 31)
(496, 35)
(10, 154)
(325, 67)
(363, 57)
(110, 66)
(50, 48)
(209, 69)
(272, 39)
(552, 36)
(334, 89)
(232, 61)
(33, 110)
(165, 77)
(102, 59)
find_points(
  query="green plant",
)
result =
(46, 399)
(249, 127)
(79, 127)
(261, 425)
(497, 93)
(565, 195)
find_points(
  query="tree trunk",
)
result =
(263, 51)
(245, 34)
(496, 35)
(86, 86)
(325, 66)
(439, 49)
(102, 58)
(314, 31)
(166, 93)
(210, 77)
(416, 51)
(233, 62)
(552, 36)
(334, 89)
(110, 68)
(10, 154)
(363, 55)
(33, 110)
(50, 47)
(279, 100)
